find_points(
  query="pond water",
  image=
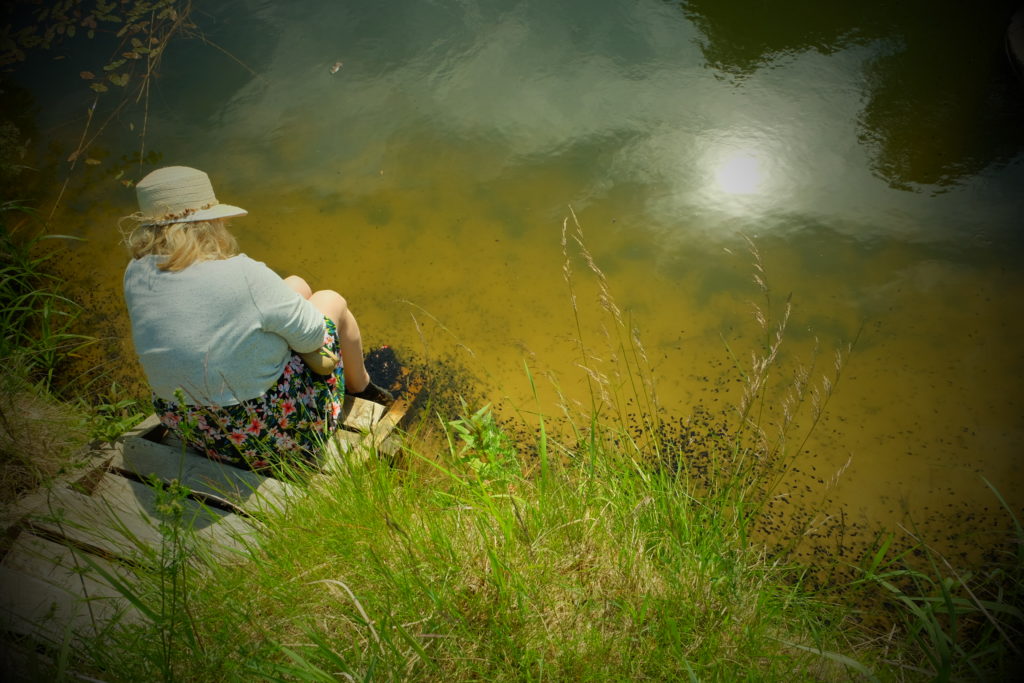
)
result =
(873, 153)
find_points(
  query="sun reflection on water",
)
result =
(740, 173)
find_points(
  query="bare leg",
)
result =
(350, 340)
(315, 361)
(299, 285)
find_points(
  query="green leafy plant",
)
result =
(114, 414)
(486, 450)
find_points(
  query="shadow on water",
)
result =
(941, 99)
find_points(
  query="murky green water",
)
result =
(873, 153)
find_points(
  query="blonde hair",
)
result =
(182, 243)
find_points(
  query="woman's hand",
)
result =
(321, 361)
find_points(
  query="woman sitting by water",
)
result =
(243, 365)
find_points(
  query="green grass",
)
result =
(459, 567)
(40, 435)
(43, 430)
(35, 317)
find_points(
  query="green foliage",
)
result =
(41, 437)
(35, 319)
(45, 26)
(600, 574)
(963, 623)
(137, 33)
(486, 450)
(114, 413)
(12, 150)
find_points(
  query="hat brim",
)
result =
(212, 213)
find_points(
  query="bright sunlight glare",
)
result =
(739, 173)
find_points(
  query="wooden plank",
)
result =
(241, 489)
(360, 415)
(49, 591)
(64, 565)
(348, 447)
(33, 607)
(340, 450)
(223, 532)
(383, 434)
(120, 520)
(72, 577)
(15, 512)
(145, 427)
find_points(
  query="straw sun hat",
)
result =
(179, 194)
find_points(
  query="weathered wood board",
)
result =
(121, 520)
(232, 487)
(53, 590)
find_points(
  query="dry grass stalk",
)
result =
(39, 437)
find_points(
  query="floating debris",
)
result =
(336, 67)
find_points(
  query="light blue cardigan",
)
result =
(218, 330)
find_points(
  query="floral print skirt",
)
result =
(287, 425)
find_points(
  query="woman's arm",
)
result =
(321, 361)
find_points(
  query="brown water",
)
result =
(875, 158)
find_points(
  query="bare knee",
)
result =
(299, 285)
(331, 304)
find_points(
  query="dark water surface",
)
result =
(873, 152)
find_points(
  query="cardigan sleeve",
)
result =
(282, 310)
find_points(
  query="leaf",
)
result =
(98, 87)
(127, 183)
(118, 79)
(87, 75)
(92, 162)
(71, 31)
(131, 55)
(136, 43)
(113, 65)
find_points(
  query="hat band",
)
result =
(168, 218)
